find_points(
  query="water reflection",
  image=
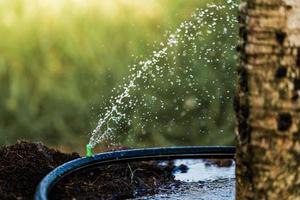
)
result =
(200, 179)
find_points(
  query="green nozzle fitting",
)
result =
(89, 151)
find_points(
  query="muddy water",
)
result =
(199, 180)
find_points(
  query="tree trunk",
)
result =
(267, 103)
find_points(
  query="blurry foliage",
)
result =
(59, 61)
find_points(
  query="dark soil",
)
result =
(23, 165)
(115, 181)
(219, 162)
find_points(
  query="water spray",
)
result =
(188, 32)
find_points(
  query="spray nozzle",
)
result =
(89, 151)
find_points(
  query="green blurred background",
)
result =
(60, 59)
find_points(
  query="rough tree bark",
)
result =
(267, 103)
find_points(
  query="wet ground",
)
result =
(200, 180)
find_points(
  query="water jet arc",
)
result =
(158, 153)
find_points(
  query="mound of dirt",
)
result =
(23, 165)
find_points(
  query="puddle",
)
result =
(199, 170)
(199, 180)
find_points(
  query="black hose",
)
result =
(165, 153)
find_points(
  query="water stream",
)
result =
(159, 73)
